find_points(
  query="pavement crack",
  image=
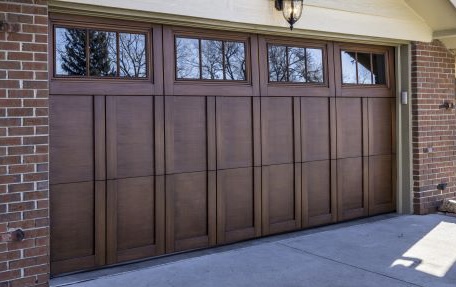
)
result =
(347, 264)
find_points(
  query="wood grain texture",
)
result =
(315, 129)
(186, 134)
(349, 127)
(234, 132)
(72, 139)
(277, 130)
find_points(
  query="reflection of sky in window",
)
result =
(348, 67)
(60, 42)
(132, 55)
(187, 58)
(235, 61)
(314, 65)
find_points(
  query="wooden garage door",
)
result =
(206, 138)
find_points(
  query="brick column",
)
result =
(24, 150)
(433, 126)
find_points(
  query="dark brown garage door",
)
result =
(168, 139)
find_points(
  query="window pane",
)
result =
(212, 59)
(296, 64)
(132, 55)
(314, 65)
(378, 67)
(277, 63)
(70, 52)
(235, 61)
(187, 58)
(348, 67)
(103, 53)
(364, 69)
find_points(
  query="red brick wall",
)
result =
(433, 83)
(24, 142)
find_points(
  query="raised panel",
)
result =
(380, 126)
(237, 211)
(72, 139)
(281, 198)
(234, 132)
(349, 127)
(73, 220)
(381, 191)
(277, 130)
(186, 134)
(350, 187)
(130, 122)
(315, 129)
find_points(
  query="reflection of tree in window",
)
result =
(103, 54)
(277, 63)
(187, 58)
(297, 64)
(235, 61)
(212, 59)
(71, 52)
(314, 65)
(132, 55)
(364, 69)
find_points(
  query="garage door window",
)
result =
(207, 59)
(96, 53)
(363, 68)
(295, 64)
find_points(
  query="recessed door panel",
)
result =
(315, 129)
(381, 189)
(319, 192)
(351, 188)
(277, 130)
(72, 139)
(186, 134)
(238, 204)
(281, 206)
(130, 133)
(349, 127)
(234, 132)
(380, 126)
(190, 200)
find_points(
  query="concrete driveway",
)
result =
(382, 251)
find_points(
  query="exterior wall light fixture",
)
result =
(291, 9)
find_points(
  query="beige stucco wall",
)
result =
(386, 19)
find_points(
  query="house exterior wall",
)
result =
(433, 127)
(340, 19)
(24, 142)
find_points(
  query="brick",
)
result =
(20, 187)
(21, 94)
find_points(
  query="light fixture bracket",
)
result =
(291, 10)
(279, 5)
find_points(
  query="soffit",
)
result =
(440, 15)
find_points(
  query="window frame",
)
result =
(387, 90)
(212, 37)
(102, 27)
(304, 46)
(371, 52)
